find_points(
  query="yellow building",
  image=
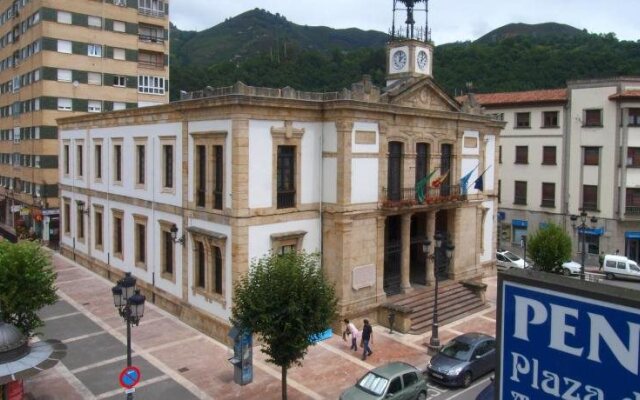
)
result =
(61, 58)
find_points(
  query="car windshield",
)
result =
(373, 383)
(511, 256)
(458, 350)
(634, 267)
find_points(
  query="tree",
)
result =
(549, 247)
(27, 283)
(284, 299)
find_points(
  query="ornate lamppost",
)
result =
(434, 342)
(582, 227)
(130, 305)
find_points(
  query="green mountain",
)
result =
(549, 29)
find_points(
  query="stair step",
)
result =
(444, 310)
(424, 327)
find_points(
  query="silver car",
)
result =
(506, 260)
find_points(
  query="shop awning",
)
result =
(632, 235)
(592, 231)
(519, 223)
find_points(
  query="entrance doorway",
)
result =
(392, 254)
(418, 261)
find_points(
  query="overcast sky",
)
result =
(450, 21)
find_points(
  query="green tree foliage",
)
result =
(549, 247)
(284, 299)
(27, 283)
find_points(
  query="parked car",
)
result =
(620, 266)
(506, 260)
(463, 359)
(488, 393)
(570, 268)
(395, 379)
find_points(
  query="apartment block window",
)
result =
(550, 119)
(119, 54)
(167, 253)
(118, 234)
(548, 194)
(94, 50)
(201, 262)
(119, 26)
(80, 221)
(522, 154)
(154, 8)
(201, 175)
(152, 84)
(120, 81)
(520, 193)
(98, 161)
(64, 17)
(97, 216)
(167, 165)
(94, 78)
(523, 120)
(217, 269)
(64, 75)
(67, 161)
(117, 162)
(219, 177)
(80, 160)
(94, 22)
(94, 106)
(593, 117)
(286, 177)
(64, 104)
(150, 33)
(141, 244)
(590, 197)
(64, 46)
(633, 157)
(140, 164)
(548, 155)
(632, 204)
(499, 191)
(499, 154)
(67, 217)
(151, 59)
(591, 156)
(634, 117)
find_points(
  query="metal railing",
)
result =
(151, 12)
(286, 198)
(632, 210)
(150, 38)
(409, 197)
(151, 64)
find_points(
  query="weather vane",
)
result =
(410, 22)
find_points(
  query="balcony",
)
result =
(151, 12)
(407, 197)
(150, 38)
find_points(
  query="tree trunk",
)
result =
(284, 383)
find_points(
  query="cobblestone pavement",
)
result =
(179, 362)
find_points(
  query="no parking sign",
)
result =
(129, 377)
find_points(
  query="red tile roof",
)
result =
(529, 97)
(627, 94)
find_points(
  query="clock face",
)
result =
(399, 59)
(422, 59)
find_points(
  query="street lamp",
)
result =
(524, 243)
(583, 227)
(130, 304)
(81, 208)
(174, 235)
(434, 342)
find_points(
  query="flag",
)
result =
(422, 183)
(479, 183)
(465, 180)
(438, 181)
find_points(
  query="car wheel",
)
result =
(566, 272)
(609, 275)
(422, 396)
(466, 379)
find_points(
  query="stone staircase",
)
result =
(455, 301)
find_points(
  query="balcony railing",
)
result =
(407, 197)
(632, 210)
(150, 38)
(151, 12)
(151, 64)
(286, 198)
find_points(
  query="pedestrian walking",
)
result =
(367, 339)
(353, 331)
(601, 261)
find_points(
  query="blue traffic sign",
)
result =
(129, 377)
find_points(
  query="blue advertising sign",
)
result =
(556, 345)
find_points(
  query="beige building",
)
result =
(60, 58)
(229, 174)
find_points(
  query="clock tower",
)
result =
(410, 52)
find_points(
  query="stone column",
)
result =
(406, 253)
(431, 231)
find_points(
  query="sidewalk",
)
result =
(178, 362)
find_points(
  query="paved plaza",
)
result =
(179, 362)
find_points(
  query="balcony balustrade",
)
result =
(407, 197)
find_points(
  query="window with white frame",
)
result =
(118, 54)
(64, 75)
(94, 50)
(119, 26)
(94, 22)
(94, 106)
(118, 105)
(64, 17)
(119, 81)
(152, 84)
(64, 104)
(64, 46)
(94, 78)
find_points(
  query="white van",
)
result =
(620, 266)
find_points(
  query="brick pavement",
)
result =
(179, 362)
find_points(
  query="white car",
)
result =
(570, 268)
(506, 260)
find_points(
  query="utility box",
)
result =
(242, 359)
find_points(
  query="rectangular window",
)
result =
(592, 117)
(499, 154)
(634, 117)
(118, 233)
(167, 249)
(94, 22)
(98, 161)
(217, 269)
(633, 157)
(153, 8)
(550, 119)
(64, 75)
(591, 156)
(80, 220)
(590, 197)
(118, 54)
(67, 217)
(523, 120)
(67, 161)
(141, 243)
(286, 174)
(150, 33)
(548, 155)
(79, 160)
(94, 78)
(64, 17)
(120, 81)
(94, 106)
(94, 50)
(522, 154)
(632, 203)
(219, 177)
(520, 193)
(548, 194)
(98, 229)
(151, 59)
(140, 164)
(119, 26)
(201, 262)
(117, 162)
(499, 191)
(118, 105)
(64, 104)
(201, 175)
(167, 162)
(152, 84)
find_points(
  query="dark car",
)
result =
(395, 379)
(463, 359)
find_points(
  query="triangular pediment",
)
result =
(421, 93)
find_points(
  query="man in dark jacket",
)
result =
(367, 338)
